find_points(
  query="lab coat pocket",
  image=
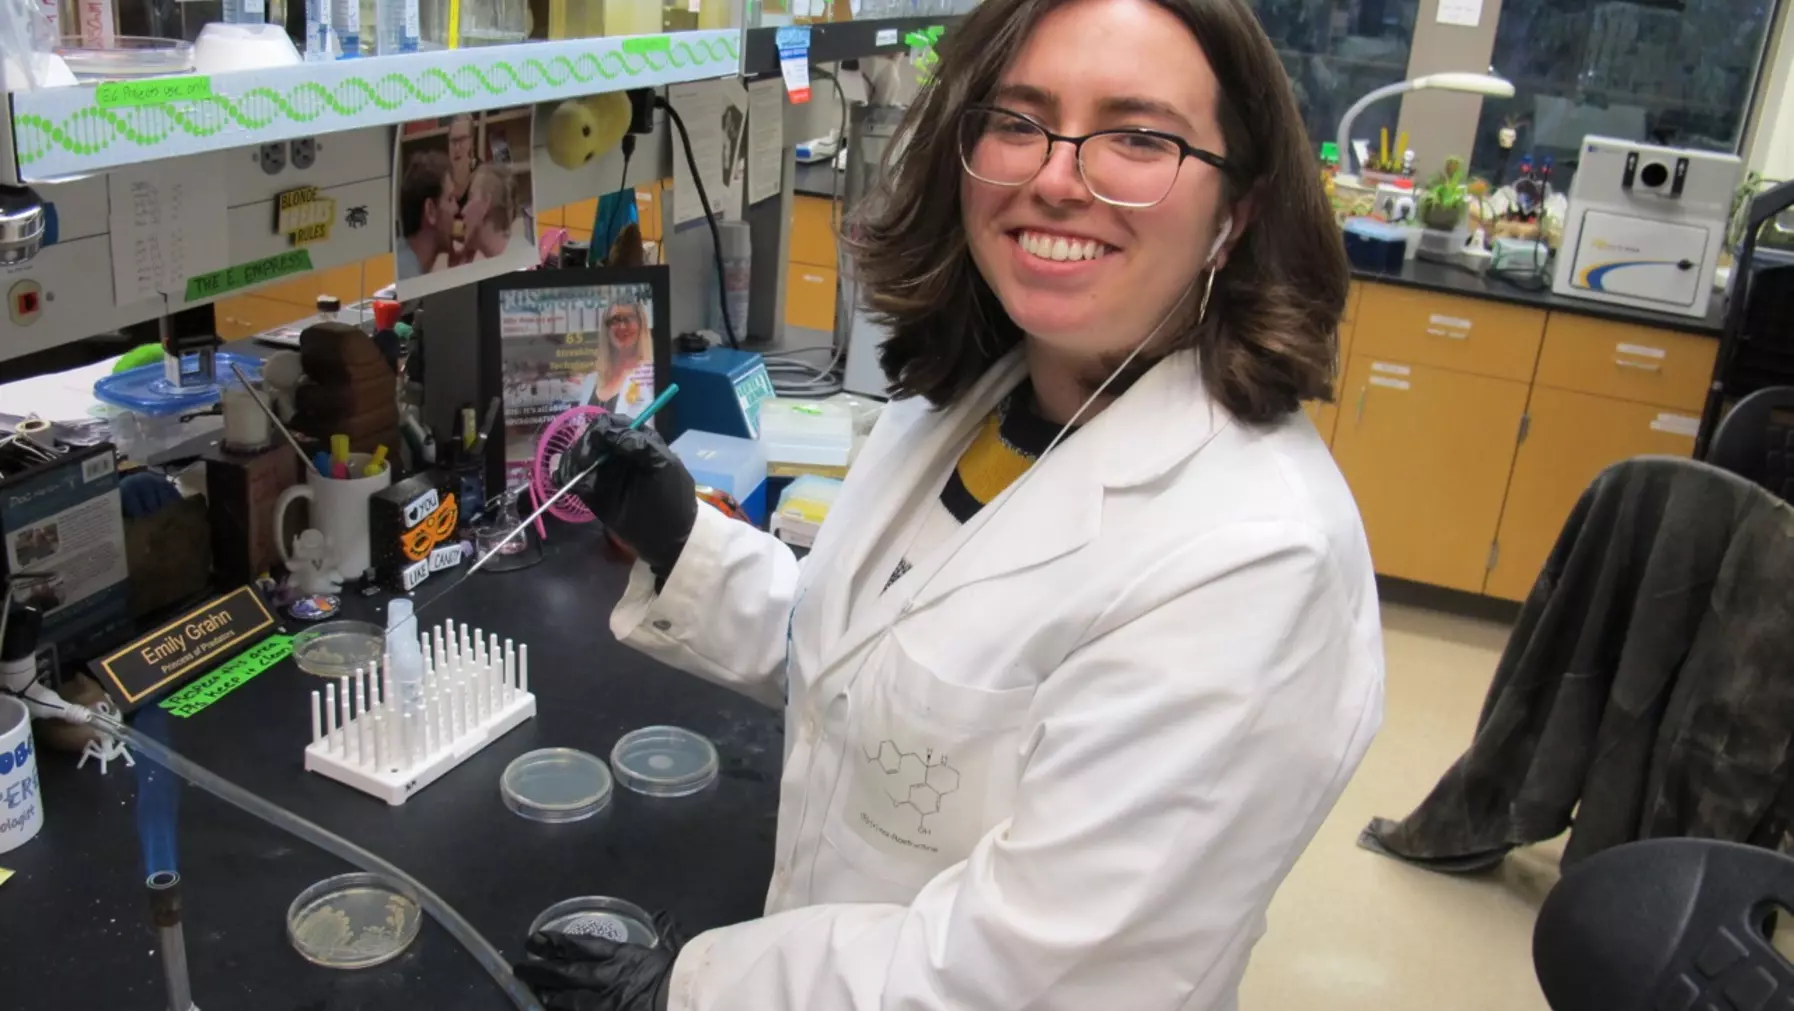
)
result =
(930, 768)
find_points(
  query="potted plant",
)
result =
(1445, 199)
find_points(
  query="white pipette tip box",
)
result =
(474, 690)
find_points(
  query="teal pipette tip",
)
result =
(655, 405)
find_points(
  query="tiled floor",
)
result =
(1353, 931)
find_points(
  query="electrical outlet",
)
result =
(273, 157)
(305, 152)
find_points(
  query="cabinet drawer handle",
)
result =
(1363, 390)
(1441, 332)
(1640, 366)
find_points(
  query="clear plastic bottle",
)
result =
(348, 26)
(321, 40)
(394, 26)
(406, 657)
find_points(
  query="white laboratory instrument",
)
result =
(473, 690)
(1646, 225)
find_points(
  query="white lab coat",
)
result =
(1067, 769)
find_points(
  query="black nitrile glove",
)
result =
(576, 973)
(641, 491)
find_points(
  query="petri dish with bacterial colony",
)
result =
(664, 761)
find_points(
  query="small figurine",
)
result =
(105, 747)
(312, 572)
(281, 375)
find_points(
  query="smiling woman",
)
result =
(1088, 644)
(1091, 194)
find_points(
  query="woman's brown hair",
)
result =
(1267, 340)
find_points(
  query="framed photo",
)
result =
(463, 199)
(559, 339)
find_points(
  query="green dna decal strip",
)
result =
(93, 129)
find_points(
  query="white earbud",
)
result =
(1220, 240)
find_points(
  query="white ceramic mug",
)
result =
(339, 508)
(21, 808)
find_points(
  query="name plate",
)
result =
(182, 648)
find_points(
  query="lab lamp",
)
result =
(1473, 84)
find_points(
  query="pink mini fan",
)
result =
(557, 438)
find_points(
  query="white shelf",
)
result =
(60, 132)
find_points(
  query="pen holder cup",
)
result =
(339, 509)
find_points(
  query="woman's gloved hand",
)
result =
(578, 973)
(640, 491)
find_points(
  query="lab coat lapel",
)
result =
(1164, 419)
(900, 480)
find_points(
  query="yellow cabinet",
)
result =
(1325, 416)
(1570, 438)
(813, 232)
(1427, 453)
(1465, 334)
(810, 297)
(1627, 361)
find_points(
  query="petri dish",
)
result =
(335, 649)
(664, 761)
(599, 916)
(556, 785)
(352, 921)
(128, 57)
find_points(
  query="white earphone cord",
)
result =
(1015, 489)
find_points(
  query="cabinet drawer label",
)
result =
(1641, 350)
(1676, 424)
(1394, 384)
(1455, 322)
(1391, 369)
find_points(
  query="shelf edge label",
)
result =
(218, 282)
(154, 91)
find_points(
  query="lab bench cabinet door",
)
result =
(810, 297)
(1427, 452)
(1570, 438)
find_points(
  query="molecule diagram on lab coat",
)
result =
(916, 780)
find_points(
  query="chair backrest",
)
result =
(1756, 440)
(1666, 925)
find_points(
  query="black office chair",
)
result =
(1756, 440)
(1667, 925)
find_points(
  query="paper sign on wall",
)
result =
(766, 139)
(794, 61)
(1463, 13)
(716, 117)
(303, 216)
(168, 222)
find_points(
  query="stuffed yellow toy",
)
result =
(581, 130)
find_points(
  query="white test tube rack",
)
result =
(475, 689)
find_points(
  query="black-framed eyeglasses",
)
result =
(1127, 166)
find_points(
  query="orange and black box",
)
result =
(412, 530)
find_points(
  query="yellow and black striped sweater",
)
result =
(1009, 439)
